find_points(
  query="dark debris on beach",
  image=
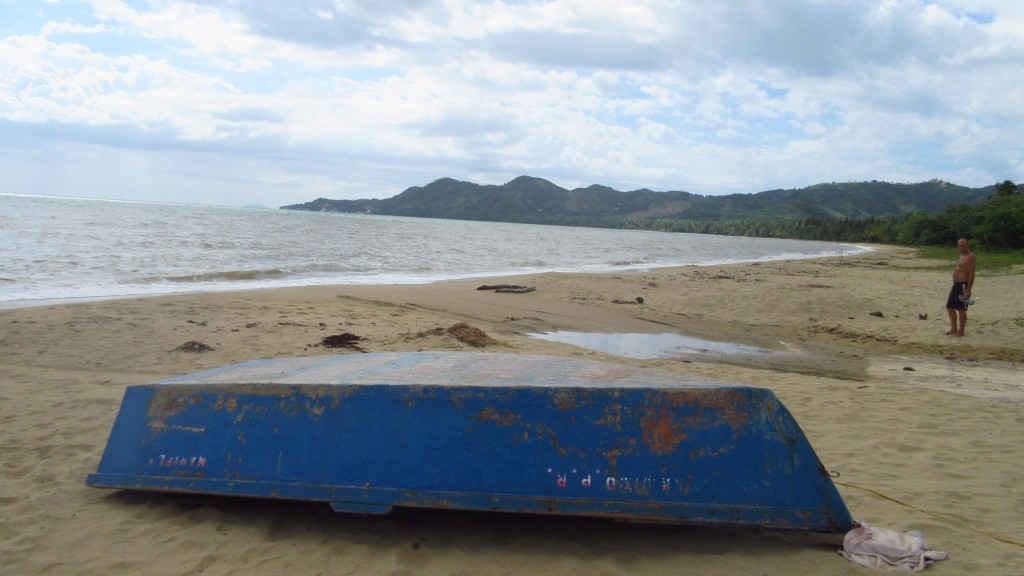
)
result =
(193, 346)
(344, 340)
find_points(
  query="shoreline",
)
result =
(933, 423)
(212, 288)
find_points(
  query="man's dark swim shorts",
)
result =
(953, 301)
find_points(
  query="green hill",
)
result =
(535, 200)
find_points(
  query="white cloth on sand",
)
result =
(888, 549)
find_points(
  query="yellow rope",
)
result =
(933, 514)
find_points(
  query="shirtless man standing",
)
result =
(963, 281)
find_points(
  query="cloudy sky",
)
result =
(240, 102)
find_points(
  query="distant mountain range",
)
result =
(535, 200)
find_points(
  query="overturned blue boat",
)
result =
(499, 432)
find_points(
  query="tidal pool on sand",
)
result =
(666, 345)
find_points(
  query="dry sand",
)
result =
(939, 448)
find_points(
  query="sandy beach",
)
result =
(925, 431)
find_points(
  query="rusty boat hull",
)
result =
(497, 432)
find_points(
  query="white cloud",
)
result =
(700, 95)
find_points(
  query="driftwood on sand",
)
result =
(637, 300)
(511, 288)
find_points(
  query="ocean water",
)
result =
(56, 248)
